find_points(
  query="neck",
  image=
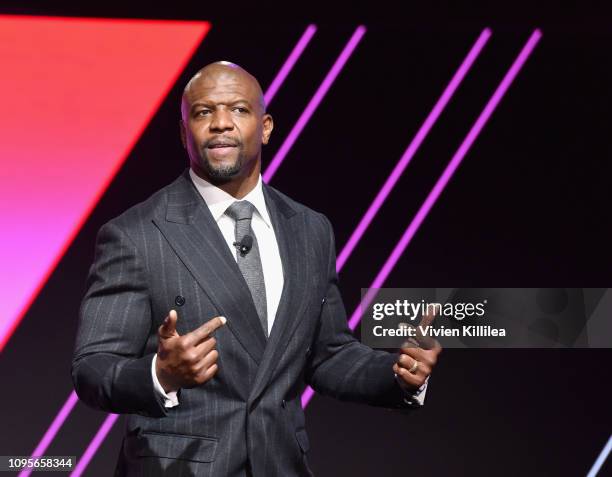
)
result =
(237, 186)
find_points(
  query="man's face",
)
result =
(223, 123)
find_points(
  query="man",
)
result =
(211, 304)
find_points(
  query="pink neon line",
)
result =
(314, 103)
(294, 56)
(413, 147)
(53, 429)
(94, 444)
(440, 185)
(601, 458)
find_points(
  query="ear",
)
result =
(183, 133)
(268, 125)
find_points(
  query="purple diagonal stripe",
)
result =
(601, 459)
(289, 63)
(440, 185)
(53, 429)
(95, 443)
(414, 145)
(450, 170)
(314, 102)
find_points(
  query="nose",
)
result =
(221, 121)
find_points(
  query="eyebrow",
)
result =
(210, 103)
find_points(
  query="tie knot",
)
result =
(240, 210)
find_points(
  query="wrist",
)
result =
(164, 378)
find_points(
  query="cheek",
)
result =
(193, 143)
(198, 128)
(198, 134)
(253, 135)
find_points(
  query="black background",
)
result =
(529, 206)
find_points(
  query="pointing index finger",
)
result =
(425, 341)
(205, 330)
(427, 319)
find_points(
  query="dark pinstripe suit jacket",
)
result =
(249, 415)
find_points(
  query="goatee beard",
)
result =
(223, 173)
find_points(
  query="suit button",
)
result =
(179, 300)
(323, 300)
(283, 404)
(308, 351)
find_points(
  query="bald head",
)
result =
(224, 124)
(207, 78)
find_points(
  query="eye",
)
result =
(202, 112)
(240, 109)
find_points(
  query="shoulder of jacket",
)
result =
(298, 207)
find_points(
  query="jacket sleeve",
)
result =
(339, 365)
(109, 370)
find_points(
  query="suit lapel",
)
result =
(290, 235)
(192, 232)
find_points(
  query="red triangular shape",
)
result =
(76, 95)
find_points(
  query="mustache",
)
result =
(227, 141)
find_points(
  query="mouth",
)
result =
(220, 144)
(221, 149)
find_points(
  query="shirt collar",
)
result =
(218, 200)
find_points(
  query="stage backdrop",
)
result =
(484, 141)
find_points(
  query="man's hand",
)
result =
(189, 360)
(418, 358)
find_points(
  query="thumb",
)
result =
(168, 327)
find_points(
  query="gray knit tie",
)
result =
(250, 263)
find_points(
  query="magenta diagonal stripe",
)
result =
(435, 193)
(451, 168)
(294, 56)
(95, 443)
(414, 145)
(314, 102)
(601, 459)
(68, 406)
(53, 429)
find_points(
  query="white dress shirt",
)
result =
(218, 201)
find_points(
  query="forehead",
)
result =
(220, 84)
